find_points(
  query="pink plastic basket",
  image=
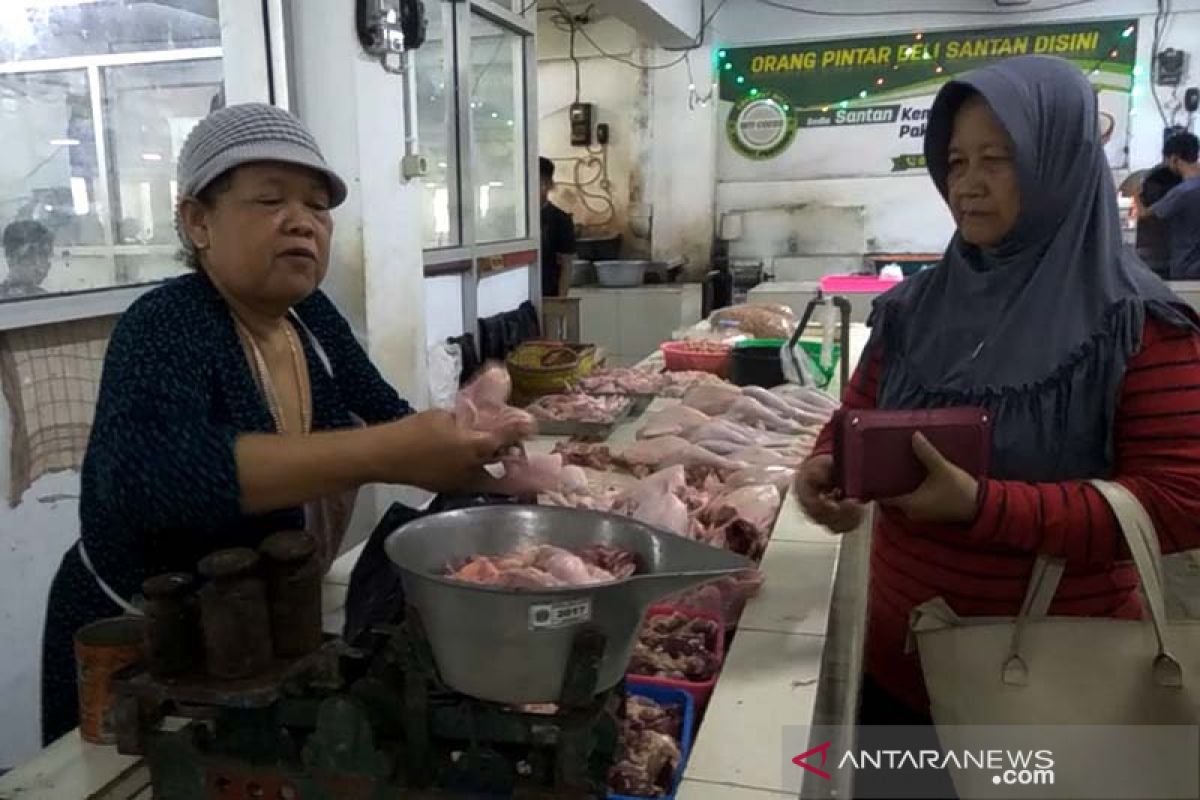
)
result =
(699, 690)
(679, 358)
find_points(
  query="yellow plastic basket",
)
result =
(539, 368)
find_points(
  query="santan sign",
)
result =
(887, 55)
(860, 107)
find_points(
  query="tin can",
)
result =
(294, 592)
(233, 614)
(102, 649)
(172, 637)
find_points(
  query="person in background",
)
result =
(1153, 235)
(558, 238)
(1087, 361)
(235, 401)
(28, 245)
(1180, 208)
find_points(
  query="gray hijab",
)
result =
(1039, 329)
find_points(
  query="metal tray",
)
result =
(512, 647)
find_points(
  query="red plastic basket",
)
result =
(679, 358)
(699, 690)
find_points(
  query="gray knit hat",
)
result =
(242, 134)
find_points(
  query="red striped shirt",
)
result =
(982, 569)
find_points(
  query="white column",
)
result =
(356, 111)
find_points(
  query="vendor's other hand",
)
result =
(948, 495)
(432, 451)
(821, 501)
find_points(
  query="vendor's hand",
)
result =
(432, 451)
(821, 501)
(949, 495)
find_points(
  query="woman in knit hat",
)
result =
(235, 401)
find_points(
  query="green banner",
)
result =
(874, 93)
(820, 74)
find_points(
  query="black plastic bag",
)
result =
(376, 594)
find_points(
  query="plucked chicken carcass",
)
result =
(546, 567)
(482, 405)
(742, 519)
(648, 750)
(807, 415)
(806, 398)
(658, 500)
(752, 412)
(768, 457)
(666, 451)
(677, 420)
(770, 475)
(712, 399)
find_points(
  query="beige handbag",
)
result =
(1036, 670)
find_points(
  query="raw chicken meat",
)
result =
(752, 412)
(672, 421)
(583, 454)
(639, 380)
(482, 404)
(531, 474)
(743, 518)
(578, 408)
(648, 754)
(676, 646)
(667, 451)
(725, 597)
(622, 381)
(806, 397)
(713, 399)
(658, 500)
(546, 567)
(770, 475)
(785, 409)
(766, 457)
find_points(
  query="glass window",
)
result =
(149, 109)
(87, 189)
(498, 132)
(435, 128)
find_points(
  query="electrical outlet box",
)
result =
(1169, 67)
(581, 124)
(414, 166)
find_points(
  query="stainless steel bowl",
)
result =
(618, 274)
(513, 646)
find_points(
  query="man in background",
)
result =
(558, 238)
(27, 248)
(1180, 207)
(1153, 235)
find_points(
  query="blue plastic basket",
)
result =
(668, 697)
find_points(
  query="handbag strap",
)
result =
(1142, 540)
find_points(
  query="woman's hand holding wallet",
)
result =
(948, 495)
(820, 498)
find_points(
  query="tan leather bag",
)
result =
(1069, 671)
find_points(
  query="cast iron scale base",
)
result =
(374, 723)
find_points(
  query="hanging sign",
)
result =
(860, 107)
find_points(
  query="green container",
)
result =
(776, 343)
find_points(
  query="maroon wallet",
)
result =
(872, 450)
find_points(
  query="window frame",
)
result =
(251, 24)
(471, 251)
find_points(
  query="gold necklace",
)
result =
(267, 386)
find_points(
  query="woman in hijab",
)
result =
(1088, 363)
(236, 401)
